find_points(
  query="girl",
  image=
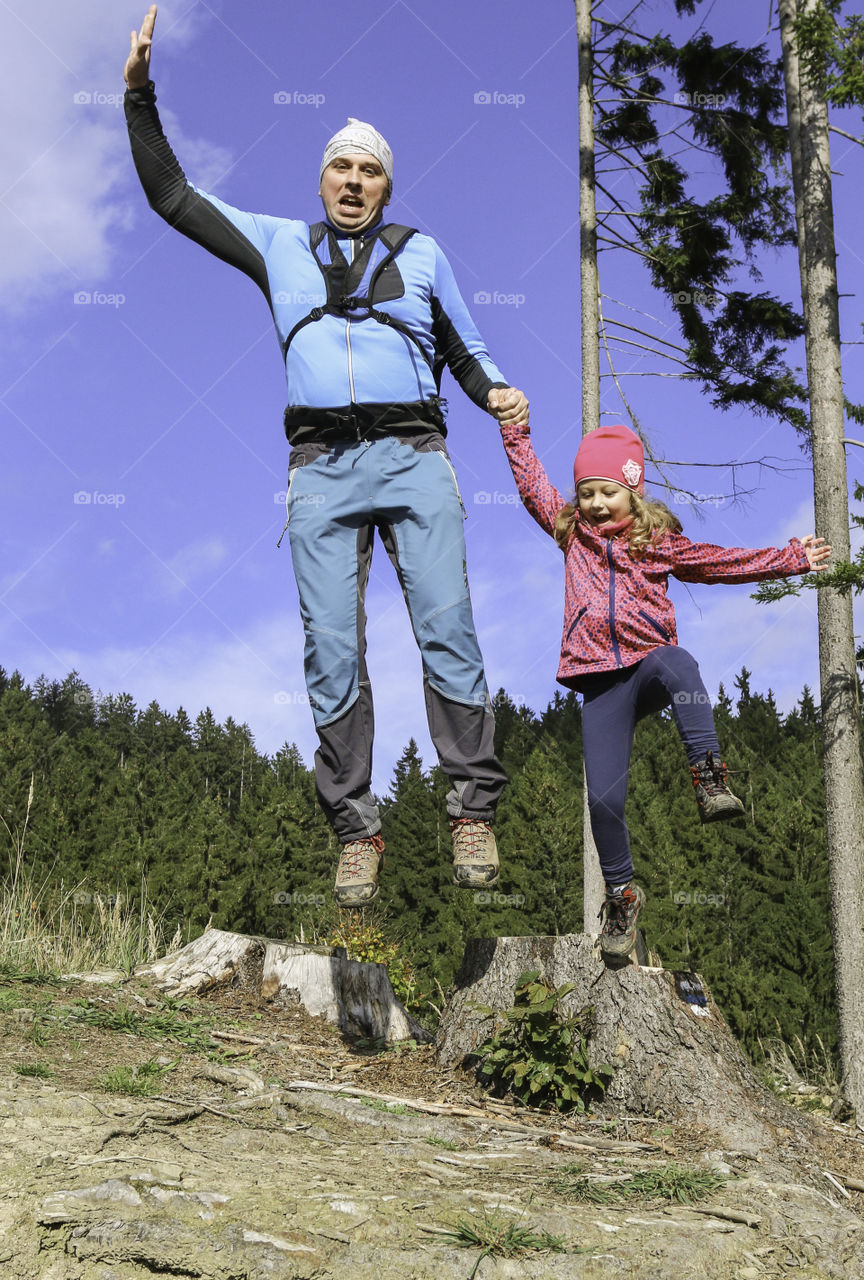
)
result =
(620, 647)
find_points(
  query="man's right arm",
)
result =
(238, 238)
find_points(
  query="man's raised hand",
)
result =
(136, 73)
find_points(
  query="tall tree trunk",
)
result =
(807, 116)
(593, 890)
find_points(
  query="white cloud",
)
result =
(66, 159)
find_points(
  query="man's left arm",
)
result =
(458, 344)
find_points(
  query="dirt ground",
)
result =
(226, 1169)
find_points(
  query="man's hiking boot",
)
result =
(621, 909)
(716, 802)
(357, 875)
(475, 854)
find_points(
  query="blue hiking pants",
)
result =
(613, 702)
(336, 501)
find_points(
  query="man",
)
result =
(366, 425)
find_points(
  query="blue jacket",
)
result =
(337, 360)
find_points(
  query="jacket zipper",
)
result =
(612, 633)
(348, 332)
(656, 625)
(575, 622)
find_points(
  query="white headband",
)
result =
(359, 137)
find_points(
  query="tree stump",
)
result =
(355, 995)
(674, 1054)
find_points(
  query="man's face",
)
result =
(354, 190)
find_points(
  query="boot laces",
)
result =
(469, 837)
(615, 908)
(357, 853)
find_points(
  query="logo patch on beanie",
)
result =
(632, 472)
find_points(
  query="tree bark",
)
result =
(807, 116)
(593, 886)
(356, 996)
(674, 1055)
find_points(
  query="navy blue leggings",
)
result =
(613, 702)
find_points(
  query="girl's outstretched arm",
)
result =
(705, 562)
(540, 496)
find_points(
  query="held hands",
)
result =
(816, 553)
(508, 405)
(136, 73)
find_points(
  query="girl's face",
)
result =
(603, 502)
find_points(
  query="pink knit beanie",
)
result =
(611, 453)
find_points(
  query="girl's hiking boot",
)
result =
(475, 854)
(357, 875)
(621, 909)
(716, 802)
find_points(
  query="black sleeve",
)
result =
(169, 194)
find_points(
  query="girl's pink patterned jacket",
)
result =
(615, 608)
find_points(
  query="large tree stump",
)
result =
(355, 995)
(673, 1052)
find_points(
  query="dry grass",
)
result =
(50, 928)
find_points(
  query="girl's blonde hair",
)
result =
(651, 519)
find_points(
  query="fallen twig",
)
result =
(727, 1215)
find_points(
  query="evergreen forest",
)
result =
(107, 799)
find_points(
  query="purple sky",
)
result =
(143, 448)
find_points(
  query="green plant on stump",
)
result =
(541, 1055)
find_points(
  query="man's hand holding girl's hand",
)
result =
(508, 405)
(816, 552)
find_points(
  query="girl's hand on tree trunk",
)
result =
(136, 73)
(816, 552)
